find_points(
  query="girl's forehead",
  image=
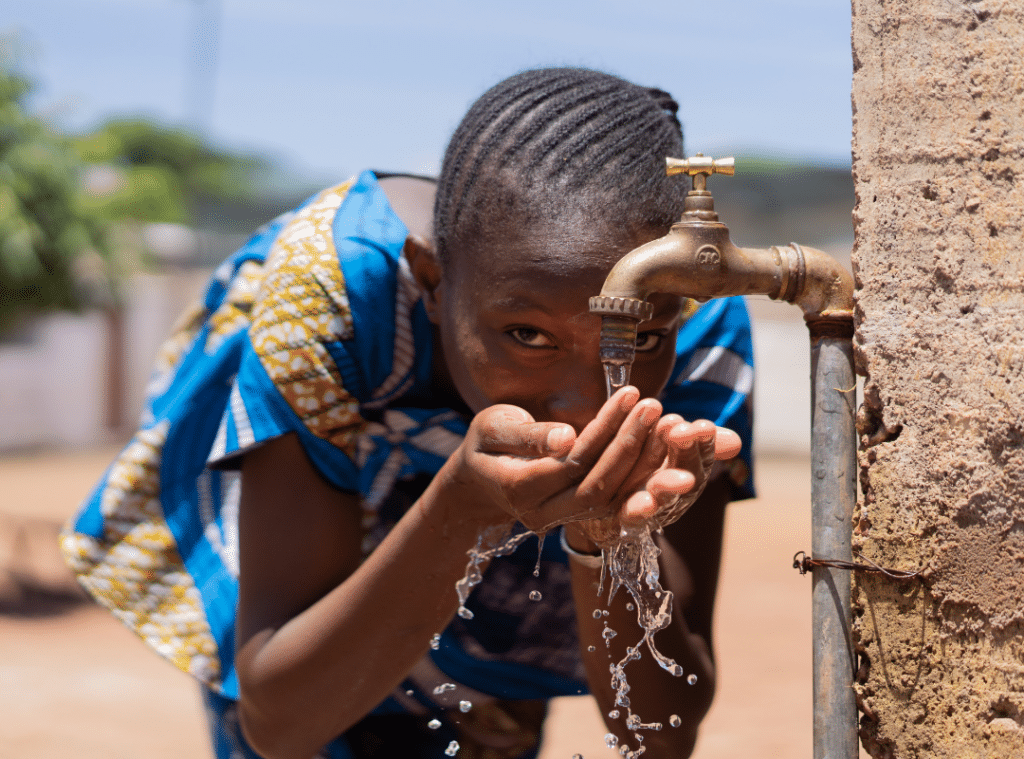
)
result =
(552, 251)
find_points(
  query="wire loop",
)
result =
(804, 563)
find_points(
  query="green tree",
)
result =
(165, 174)
(53, 248)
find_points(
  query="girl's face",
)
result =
(516, 328)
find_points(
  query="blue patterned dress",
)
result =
(315, 327)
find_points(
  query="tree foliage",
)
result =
(47, 230)
(163, 173)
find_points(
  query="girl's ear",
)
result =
(426, 270)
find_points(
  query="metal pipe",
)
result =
(833, 495)
(697, 259)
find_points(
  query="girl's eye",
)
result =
(648, 341)
(530, 337)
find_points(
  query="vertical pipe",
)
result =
(833, 494)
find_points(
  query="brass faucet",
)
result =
(696, 259)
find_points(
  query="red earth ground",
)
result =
(73, 682)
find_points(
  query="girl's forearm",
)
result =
(307, 681)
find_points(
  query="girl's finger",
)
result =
(653, 455)
(595, 495)
(595, 437)
(511, 430)
(727, 443)
(663, 489)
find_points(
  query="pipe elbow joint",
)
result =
(827, 290)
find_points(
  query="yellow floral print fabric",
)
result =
(135, 570)
(303, 304)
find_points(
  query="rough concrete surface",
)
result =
(938, 93)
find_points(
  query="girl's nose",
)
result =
(578, 397)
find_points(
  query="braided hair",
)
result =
(561, 144)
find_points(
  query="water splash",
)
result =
(633, 564)
(493, 542)
(540, 552)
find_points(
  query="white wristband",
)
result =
(591, 560)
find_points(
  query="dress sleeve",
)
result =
(288, 380)
(713, 378)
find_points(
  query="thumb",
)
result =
(511, 430)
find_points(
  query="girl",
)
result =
(362, 398)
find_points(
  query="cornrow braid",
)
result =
(560, 141)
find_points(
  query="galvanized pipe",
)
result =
(833, 495)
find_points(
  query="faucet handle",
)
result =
(700, 167)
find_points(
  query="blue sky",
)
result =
(331, 87)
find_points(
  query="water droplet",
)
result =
(674, 720)
(443, 688)
(691, 680)
(611, 740)
(675, 670)
(535, 595)
(434, 724)
(597, 613)
(410, 692)
(623, 750)
(465, 613)
(608, 633)
(604, 613)
(632, 722)
(465, 706)
(540, 550)
(613, 714)
(630, 607)
(453, 749)
(577, 756)
(435, 642)
(639, 738)
(591, 649)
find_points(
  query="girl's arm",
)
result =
(322, 639)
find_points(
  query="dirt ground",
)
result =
(73, 682)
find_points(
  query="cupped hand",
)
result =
(629, 465)
(668, 478)
(544, 474)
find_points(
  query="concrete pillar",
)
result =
(938, 146)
